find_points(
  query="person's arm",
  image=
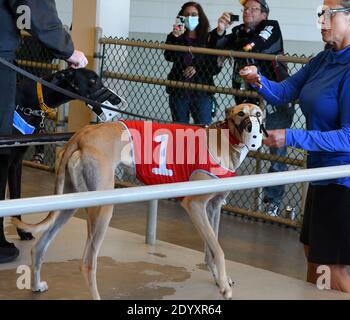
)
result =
(330, 141)
(224, 41)
(267, 35)
(277, 93)
(46, 26)
(170, 55)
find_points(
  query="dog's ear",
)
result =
(229, 112)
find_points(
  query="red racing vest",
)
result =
(169, 153)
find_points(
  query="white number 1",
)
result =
(162, 170)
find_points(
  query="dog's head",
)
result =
(88, 84)
(245, 122)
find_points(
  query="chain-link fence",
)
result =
(173, 83)
(144, 74)
(35, 58)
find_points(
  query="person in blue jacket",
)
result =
(323, 90)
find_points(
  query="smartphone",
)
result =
(234, 17)
(180, 21)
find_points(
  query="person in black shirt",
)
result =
(47, 27)
(260, 35)
(192, 68)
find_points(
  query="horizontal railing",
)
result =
(165, 191)
(215, 52)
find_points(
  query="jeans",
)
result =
(279, 117)
(198, 104)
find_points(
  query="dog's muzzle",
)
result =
(111, 100)
(252, 133)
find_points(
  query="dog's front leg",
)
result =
(214, 213)
(196, 208)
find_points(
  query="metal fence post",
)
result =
(151, 232)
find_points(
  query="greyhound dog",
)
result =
(30, 115)
(90, 158)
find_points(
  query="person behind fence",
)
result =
(191, 29)
(323, 89)
(258, 34)
(46, 26)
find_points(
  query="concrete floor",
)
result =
(264, 260)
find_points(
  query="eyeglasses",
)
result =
(328, 12)
(252, 9)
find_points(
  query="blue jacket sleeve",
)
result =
(337, 140)
(277, 93)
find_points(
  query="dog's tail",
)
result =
(48, 221)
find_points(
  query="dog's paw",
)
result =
(40, 287)
(227, 293)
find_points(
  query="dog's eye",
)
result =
(258, 114)
(241, 114)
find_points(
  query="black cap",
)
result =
(263, 4)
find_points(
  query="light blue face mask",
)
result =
(191, 23)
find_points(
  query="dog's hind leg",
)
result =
(98, 172)
(196, 208)
(98, 221)
(41, 246)
(43, 243)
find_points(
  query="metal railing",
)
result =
(157, 192)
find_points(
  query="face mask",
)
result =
(191, 23)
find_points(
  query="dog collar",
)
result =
(233, 140)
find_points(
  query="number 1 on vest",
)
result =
(162, 170)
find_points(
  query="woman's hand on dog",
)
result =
(276, 138)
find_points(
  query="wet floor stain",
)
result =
(116, 280)
(159, 255)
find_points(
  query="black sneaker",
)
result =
(8, 252)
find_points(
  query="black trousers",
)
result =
(7, 107)
(7, 99)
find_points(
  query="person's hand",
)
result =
(276, 138)
(250, 75)
(77, 60)
(178, 30)
(221, 61)
(189, 72)
(223, 23)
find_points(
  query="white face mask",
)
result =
(191, 23)
(253, 139)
